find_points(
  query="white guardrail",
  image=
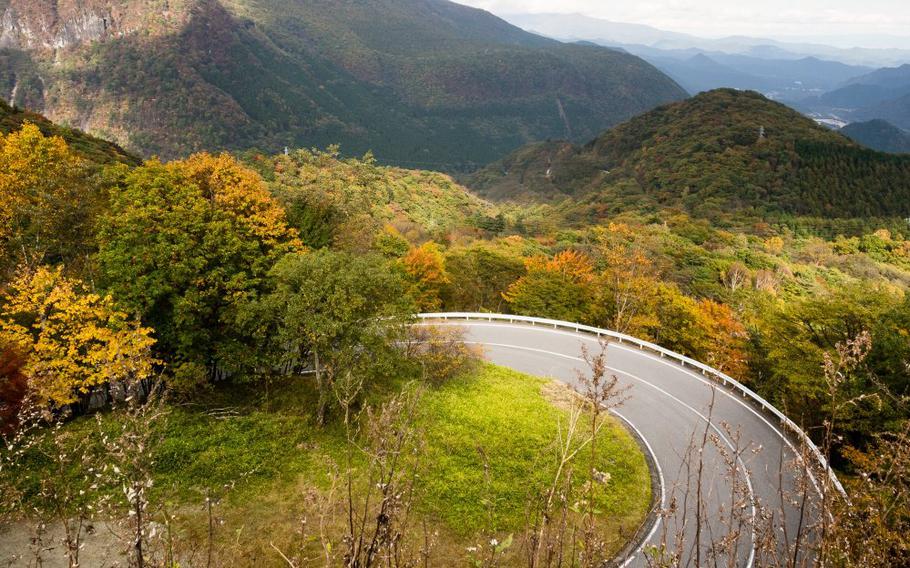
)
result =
(705, 370)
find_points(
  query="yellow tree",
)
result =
(426, 267)
(45, 198)
(240, 192)
(72, 340)
(628, 282)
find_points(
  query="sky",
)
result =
(870, 23)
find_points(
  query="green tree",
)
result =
(478, 277)
(560, 288)
(796, 334)
(339, 312)
(186, 245)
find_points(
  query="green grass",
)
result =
(270, 454)
(503, 415)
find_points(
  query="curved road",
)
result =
(670, 408)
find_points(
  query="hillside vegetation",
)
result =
(92, 148)
(879, 135)
(719, 155)
(420, 82)
(262, 305)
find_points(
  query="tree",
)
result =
(46, 201)
(796, 334)
(627, 282)
(340, 312)
(560, 287)
(186, 245)
(330, 200)
(242, 194)
(72, 340)
(736, 276)
(726, 339)
(426, 267)
(479, 275)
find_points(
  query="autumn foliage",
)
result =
(72, 340)
(426, 267)
(46, 200)
(561, 287)
(240, 192)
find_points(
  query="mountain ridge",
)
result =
(716, 155)
(417, 81)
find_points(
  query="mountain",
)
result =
(701, 73)
(420, 82)
(879, 135)
(896, 111)
(888, 78)
(702, 65)
(722, 154)
(781, 79)
(89, 147)
(882, 94)
(575, 27)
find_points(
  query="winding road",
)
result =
(750, 459)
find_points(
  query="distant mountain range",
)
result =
(723, 154)
(575, 27)
(834, 86)
(781, 79)
(883, 94)
(426, 83)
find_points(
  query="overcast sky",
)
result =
(851, 21)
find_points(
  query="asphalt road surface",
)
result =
(747, 464)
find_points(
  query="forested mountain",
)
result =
(879, 135)
(425, 81)
(721, 153)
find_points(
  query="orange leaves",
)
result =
(72, 340)
(241, 192)
(426, 266)
(560, 287)
(575, 266)
(726, 338)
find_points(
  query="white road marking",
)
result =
(676, 366)
(746, 473)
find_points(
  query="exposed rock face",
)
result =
(58, 24)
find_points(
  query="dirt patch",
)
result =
(21, 546)
(561, 395)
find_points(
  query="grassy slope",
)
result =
(275, 458)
